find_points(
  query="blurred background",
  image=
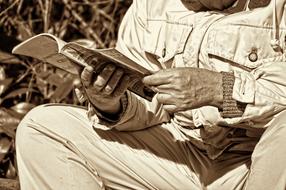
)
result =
(26, 82)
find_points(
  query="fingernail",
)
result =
(77, 91)
(77, 82)
(108, 89)
(81, 98)
(154, 88)
(89, 68)
(144, 79)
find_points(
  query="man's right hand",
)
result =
(104, 89)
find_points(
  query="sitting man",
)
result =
(218, 120)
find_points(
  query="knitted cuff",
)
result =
(109, 118)
(230, 107)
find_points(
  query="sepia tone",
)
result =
(26, 82)
(142, 94)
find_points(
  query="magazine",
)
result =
(72, 57)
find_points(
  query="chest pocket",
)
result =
(245, 38)
(246, 45)
(167, 37)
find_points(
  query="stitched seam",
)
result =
(251, 26)
(169, 22)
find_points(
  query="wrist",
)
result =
(105, 105)
(112, 108)
(109, 116)
(230, 107)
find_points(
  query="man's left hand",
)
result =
(186, 88)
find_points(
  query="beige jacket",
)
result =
(251, 44)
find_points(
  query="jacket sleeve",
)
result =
(139, 112)
(263, 90)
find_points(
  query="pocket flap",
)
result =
(166, 38)
(244, 44)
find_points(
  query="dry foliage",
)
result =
(25, 82)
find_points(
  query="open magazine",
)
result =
(72, 57)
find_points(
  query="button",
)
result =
(253, 56)
(274, 43)
(197, 123)
(163, 52)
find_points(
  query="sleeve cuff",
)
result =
(230, 107)
(105, 118)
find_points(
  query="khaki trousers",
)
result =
(58, 148)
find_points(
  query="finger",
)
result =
(77, 83)
(165, 88)
(158, 78)
(80, 95)
(103, 77)
(170, 108)
(122, 86)
(165, 99)
(113, 81)
(86, 75)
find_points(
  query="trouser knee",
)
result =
(25, 134)
(276, 129)
(273, 139)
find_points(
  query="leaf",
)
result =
(24, 31)
(4, 85)
(8, 58)
(18, 92)
(4, 112)
(63, 90)
(8, 122)
(23, 107)
(46, 80)
(2, 73)
(54, 79)
(5, 144)
(9, 129)
(11, 172)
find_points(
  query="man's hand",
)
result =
(105, 88)
(182, 89)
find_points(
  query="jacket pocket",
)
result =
(246, 45)
(245, 38)
(179, 26)
(167, 37)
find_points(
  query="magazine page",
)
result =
(46, 47)
(100, 57)
(72, 57)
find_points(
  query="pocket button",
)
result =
(253, 56)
